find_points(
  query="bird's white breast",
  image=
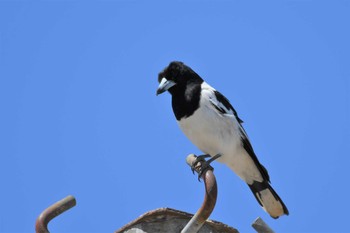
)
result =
(212, 132)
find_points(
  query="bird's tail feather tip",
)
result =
(268, 199)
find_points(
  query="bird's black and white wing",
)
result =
(223, 106)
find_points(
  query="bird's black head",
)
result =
(175, 77)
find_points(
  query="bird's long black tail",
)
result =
(268, 199)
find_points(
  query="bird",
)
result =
(210, 122)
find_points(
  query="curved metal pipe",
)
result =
(261, 227)
(208, 205)
(51, 212)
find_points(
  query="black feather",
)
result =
(221, 98)
(248, 147)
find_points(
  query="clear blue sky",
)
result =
(79, 114)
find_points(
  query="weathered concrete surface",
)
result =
(166, 220)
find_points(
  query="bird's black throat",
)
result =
(185, 98)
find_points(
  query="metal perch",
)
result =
(51, 212)
(208, 205)
(261, 227)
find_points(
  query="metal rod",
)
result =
(51, 212)
(261, 227)
(208, 205)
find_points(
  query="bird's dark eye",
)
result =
(172, 72)
(173, 75)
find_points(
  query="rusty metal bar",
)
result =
(51, 212)
(261, 227)
(208, 205)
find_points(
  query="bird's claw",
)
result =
(200, 164)
(203, 164)
(204, 167)
(199, 159)
(192, 169)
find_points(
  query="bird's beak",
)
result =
(164, 85)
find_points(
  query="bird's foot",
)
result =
(199, 159)
(203, 164)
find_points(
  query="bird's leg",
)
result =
(199, 159)
(205, 164)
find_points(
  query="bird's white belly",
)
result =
(220, 134)
(212, 132)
